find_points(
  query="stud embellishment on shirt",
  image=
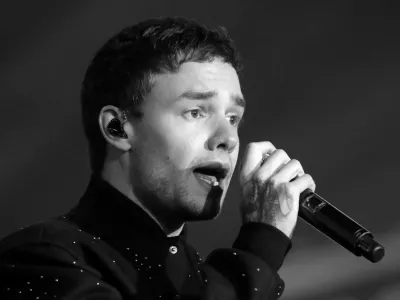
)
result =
(173, 250)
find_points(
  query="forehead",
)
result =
(197, 76)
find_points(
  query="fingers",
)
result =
(287, 172)
(273, 165)
(271, 188)
(302, 183)
(278, 168)
(251, 159)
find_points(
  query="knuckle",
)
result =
(272, 181)
(282, 153)
(258, 179)
(295, 162)
(252, 145)
(270, 145)
(309, 178)
(285, 186)
(289, 187)
(311, 182)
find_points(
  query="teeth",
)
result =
(208, 179)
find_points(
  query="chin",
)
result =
(210, 213)
(204, 215)
(209, 210)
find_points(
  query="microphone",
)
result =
(326, 218)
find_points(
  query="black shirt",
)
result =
(107, 247)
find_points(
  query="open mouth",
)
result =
(212, 173)
(212, 180)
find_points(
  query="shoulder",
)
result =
(56, 258)
(54, 231)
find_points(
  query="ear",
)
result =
(109, 113)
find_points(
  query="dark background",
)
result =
(322, 81)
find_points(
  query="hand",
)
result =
(269, 195)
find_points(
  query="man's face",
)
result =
(190, 119)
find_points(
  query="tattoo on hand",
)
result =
(261, 205)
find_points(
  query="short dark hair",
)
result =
(120, 72)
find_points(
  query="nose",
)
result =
(225, 137)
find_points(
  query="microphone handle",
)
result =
(339, 227)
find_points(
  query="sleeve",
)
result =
(249, 269)
(44, 271)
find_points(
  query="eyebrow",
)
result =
(192, 95)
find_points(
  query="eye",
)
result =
(196, 113)
(236, 120)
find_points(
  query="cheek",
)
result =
(174, 143)
(183, 150)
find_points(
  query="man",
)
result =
(161, 106)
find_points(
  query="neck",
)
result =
(114, 174)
